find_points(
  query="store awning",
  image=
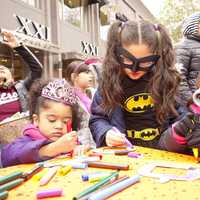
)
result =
(78, 3)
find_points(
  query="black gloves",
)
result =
(189, 127)
(185, 125)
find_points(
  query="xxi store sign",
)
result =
(33, 29)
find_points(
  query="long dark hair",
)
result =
(163, 85)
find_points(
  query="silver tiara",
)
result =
(60, 90)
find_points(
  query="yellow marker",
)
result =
(38, 176)
(195, 153)
(64, 170)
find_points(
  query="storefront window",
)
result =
(34, 3)
(72, 12)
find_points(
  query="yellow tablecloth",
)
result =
(147, 188)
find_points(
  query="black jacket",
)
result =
(188, 64)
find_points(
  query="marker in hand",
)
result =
(126, 141)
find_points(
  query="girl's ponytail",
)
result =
(164, 84)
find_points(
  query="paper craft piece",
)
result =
(191, 173)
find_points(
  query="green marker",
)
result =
(96, 186)
(10, 185)
(10, 177)
(3, 195)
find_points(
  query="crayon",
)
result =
(49, 193)
(35, 170)
(106, 165)
(96, 186)
(118, 187)
(10, 177)
(64, 170)
(3, 195)
(50, 174)
(10, 185)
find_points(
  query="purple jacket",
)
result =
(24, 149)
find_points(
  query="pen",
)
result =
(96, 186)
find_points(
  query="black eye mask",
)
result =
(140, 64)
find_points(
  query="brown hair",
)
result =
(75, 67)
(164, 82)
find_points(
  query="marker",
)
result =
(50, 174)
(10, 177)
(118, 187)
(106, 165)
(122, 152)
(96, 186)
(96, 154)
(38, 176)
(111, 182)
(3, 195)
(195, 153)
(49, 193)
(86, 177)
(35, 170)
(10, 185)
(127, 142)
(64, 170)
(69, 126)
(134, 155)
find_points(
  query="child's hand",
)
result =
(193, 139)
(81, 150)
(114, 139)
(67, 142)
(10, 39)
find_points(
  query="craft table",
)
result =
(147, 188)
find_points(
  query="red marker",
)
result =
(69, 126)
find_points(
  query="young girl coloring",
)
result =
(137, 94)
(51, 108)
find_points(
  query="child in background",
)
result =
(137, 94)
(81, 78)
(188, 56)
(13, 95)
(51, 107)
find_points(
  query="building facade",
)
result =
(58, 31)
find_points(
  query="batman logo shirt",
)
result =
(139, 113)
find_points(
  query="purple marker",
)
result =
(49, 193)
(127, 142)
(134, 155)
